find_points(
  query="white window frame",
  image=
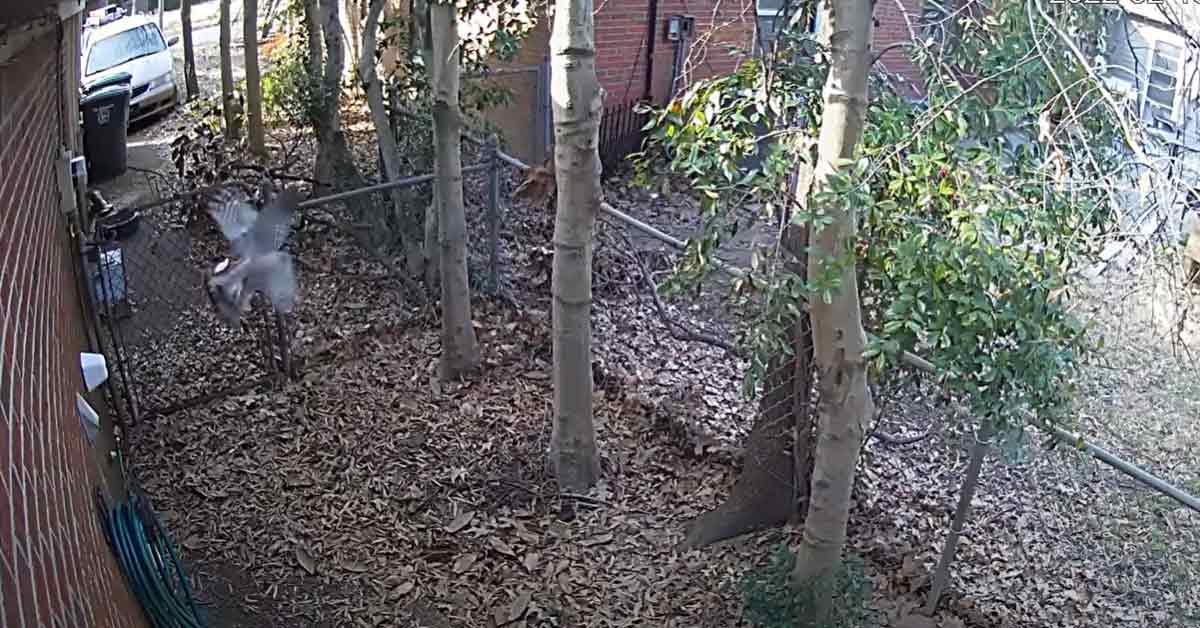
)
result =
(773, 14)
(1162, 48)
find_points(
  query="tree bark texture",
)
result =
(352, 17)
(312, 26)
(229, 105)
(844, 400)
(383, 130)
(255, 132)
(576, 96)
(460, 348)
(420, 38)
(777, 464)
(334, 165)
(189, 55)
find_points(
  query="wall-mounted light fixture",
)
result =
(95, 369)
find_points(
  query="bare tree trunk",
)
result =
(312, 24)
(189, 55)
(577, 98)
(352, 13)
(777, 464)
(460, 349)
(334, 166)
(844, 400)
(255, 132)
(387, 136)
(421, 39)
(229, 104)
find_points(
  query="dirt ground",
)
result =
(367, 494)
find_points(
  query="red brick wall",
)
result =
(55, 567)
(621, 44)
(892, 27)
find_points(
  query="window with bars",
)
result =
(773, 15)
(1158, 107)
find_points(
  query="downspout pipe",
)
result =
(651, 36)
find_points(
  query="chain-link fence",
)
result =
(167, 348)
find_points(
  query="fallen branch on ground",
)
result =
(901, 440)
(677, 329)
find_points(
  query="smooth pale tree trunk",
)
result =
(312, 27)
(383, 130)
(844, 400)
(576, 98)
(420, 39)
(352, 17)
(189, 55)
(460, 349)
(255, 132)
(229, 105)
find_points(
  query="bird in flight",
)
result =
(255, 239)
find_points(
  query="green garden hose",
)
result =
(149, 561)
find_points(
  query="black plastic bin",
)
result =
(106, 130)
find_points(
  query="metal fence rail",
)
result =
(166, 347)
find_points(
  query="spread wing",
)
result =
(274, 222)
(236, 217)
(274, 275)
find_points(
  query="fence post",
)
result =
(493, 158)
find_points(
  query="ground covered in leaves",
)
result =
(365, 493)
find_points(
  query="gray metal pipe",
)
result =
(921, 364)
(380, 187)
(1079, 442)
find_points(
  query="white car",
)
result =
(135, 45)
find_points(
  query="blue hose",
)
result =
(149, 561)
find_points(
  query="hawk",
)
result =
(255, 239)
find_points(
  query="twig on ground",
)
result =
(901, 440)
(678, 330)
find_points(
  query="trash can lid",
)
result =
(120, 90)
(111, 79)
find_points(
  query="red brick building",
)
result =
(895, 21)
(55, 567)
(723, 33)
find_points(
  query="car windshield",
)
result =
(123, 47)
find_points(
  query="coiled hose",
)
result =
(149, 561)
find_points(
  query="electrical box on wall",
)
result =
(680, 26)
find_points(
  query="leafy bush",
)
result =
(287, 88)
(771, 601)
(966, 241)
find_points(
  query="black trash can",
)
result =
(108, 79)
(106, 130)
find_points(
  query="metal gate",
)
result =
(145, 278)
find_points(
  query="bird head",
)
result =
(226, 297)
